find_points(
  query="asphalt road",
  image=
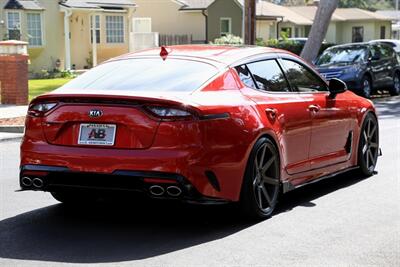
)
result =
(338, 222)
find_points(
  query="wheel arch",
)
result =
(269, 134)
(366, 113)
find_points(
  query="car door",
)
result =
(387, 56)
(377, 66)
(285, 111)
(330, 117)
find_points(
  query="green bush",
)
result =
(289, 45)
(54, 74)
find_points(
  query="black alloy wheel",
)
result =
(368, 148)
(261, 183)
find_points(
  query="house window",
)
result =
(97, 28)
(357, 34)
(225, 26)
(383, 32)
(115, 29)
(34, 23)
(286, 31)
(14, 25)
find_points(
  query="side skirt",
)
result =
(288, 186)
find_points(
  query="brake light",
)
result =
(40, 109)
(169, 113)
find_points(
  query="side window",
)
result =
(245, 76)
(375, 51)
(269, 76)
(302, 79)
(386, 51)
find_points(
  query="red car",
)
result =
(202, 124)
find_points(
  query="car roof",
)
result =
(222, 54)
(364, 44)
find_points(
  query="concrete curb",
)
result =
(12, 129)
(8, 139)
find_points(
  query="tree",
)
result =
(319, 29)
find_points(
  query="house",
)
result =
(347, 24)
(183, 20)
(117, 26)
(394, 15)
(43, 23)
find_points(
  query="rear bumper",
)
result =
(56, 179)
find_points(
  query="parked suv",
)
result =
(365, 67)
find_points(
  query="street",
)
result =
(344, 221)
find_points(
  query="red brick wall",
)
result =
(14, 79)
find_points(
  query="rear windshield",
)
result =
(150, 74)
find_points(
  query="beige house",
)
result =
(175, 19)
(347, 24)
(43, 23)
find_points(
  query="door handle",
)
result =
(271, 112)
(314, 108)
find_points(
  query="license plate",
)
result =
(97, 134)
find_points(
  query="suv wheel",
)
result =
(396, 84)
(366, 87)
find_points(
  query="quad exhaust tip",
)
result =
(156, 190)
(37, 182)
(26, 181)
(174, 191)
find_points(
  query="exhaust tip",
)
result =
(26, 181)
(156, 190)
(174, 191)
(37, 182)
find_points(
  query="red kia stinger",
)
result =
(202, 124)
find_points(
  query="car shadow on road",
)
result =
(134, 231)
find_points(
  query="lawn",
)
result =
(38, 87)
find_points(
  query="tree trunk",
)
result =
(319, 29)
(250, 22)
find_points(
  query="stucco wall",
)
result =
(81, 46)
(224, 9)
(43, 57)
(371, 30)
(167, 19)
(266, 29)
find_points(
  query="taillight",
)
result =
(169, 113)
(39, 109)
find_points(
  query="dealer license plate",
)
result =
(97, 134)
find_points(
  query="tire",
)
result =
(261, 183)
(396, 85)
(368, 147)
(366, 88)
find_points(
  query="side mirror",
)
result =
(336, 86)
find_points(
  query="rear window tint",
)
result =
(151, 74)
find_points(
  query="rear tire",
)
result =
(368, 147)
(396, 85)
(261, 183)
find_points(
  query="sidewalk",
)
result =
(11, 113)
